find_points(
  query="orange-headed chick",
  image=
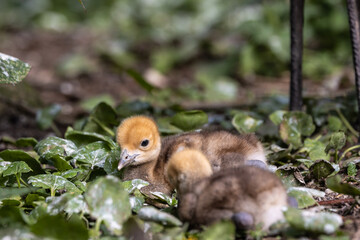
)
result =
(248, 195)
(145, 154)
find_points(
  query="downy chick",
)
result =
(145, 154)
(248, 195)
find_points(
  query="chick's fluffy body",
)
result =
(222, 148)
(209, 198)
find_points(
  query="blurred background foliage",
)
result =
(225, 44)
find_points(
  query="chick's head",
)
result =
(139, 140)
(187, 167)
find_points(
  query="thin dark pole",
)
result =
(355, 42)
(296, 26)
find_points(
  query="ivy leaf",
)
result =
(46, 116)
(83, 138)
(131, 185)
(55, 146)
(189, 120)
(19, 155)
(245, 124)
(112, 161)
(304, 196)
(163, 198)
(109, 202)
(335, 184)
(221, 230)
(11, 192)
(322, 222)
(26, 142)
(316, 149)
(337, 141)
(12, 70)
(335, 124)
(93, 154)
(53, 182)
(53, 150)
(16, 167)
(68, 202)
(295, 125)
(277, 117)
(351, 169)
(155, 215)
(321, 169)
(56, 227)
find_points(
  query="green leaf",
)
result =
(321, 169)
(16, 167)
(166, 127)
(26, 142)
(155, 215)
(109, 202)
(335, 124)
(337, 140)
(245, 124)
(277, 117)
(84, 138)
(316, 149)
(70, 173)
(294, 126)
(76, 204)
(46, 116)
(53, 182)
(304, 196)
(68, 202)
(12, 192)
(18, 155)
(131, 185)
(3, 166)
(31, 199)
(93, 154)
(351, 169)
(222, 230)
(12, 70)
(55, 146)
(335, 184)
(11, 216)
(105, 114)
(136, 202)
(189, 120)
(322, 222)
(112, 161)
(163, 198)
(127, 109)
(57, 227)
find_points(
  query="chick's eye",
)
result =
(144, 143)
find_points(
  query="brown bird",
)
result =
(248, 195)
(145, 154)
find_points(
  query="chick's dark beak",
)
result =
(126, 159)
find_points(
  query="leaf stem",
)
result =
(18, 179)
(348, 150)
(346, 123)
(24, 182)
(97, 226)
(88, 175)
(52, 192)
